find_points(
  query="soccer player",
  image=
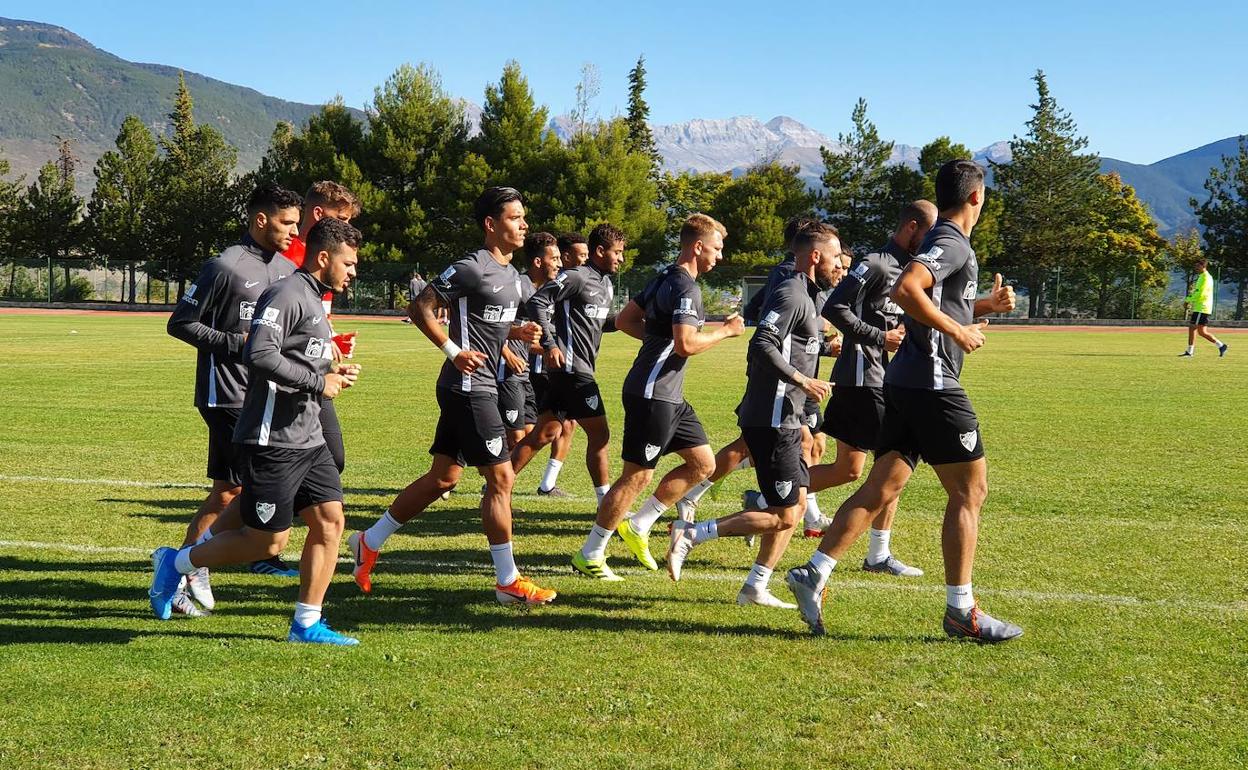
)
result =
(1200, 301)
(927, 413)
(736, 455)
(573, 310)
(667, 316)
(871, 324)
(214, 316)
(573, 249)
(781, 363)
(482, 291)
(517, 402)
(285, 465)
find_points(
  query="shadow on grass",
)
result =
(24, 634)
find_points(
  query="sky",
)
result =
(1143, 80)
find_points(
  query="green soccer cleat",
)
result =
(596, 569)
(638, 544)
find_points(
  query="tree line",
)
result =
(1074, 240)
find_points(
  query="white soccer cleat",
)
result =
(686, 510)
(680, 544)
(200, 588)
(763, 597)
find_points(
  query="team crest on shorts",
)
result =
(812, 420)
(592, 402)
(265, 511)
(512, 414)
(968, 439)
(783, 488)
(495, 445)
(652, 451)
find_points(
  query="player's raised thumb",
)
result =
(996, 282)
(982, 322)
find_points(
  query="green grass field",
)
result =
(1114, 534)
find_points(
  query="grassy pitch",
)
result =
(1114, 534)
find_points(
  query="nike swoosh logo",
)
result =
(593, 294)
(497, 289)
(249, 284)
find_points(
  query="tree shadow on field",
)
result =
(44, 565)
(469, 561)
(447, 521)
(11, 634)
(470, 610)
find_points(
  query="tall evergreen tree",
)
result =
(640, 137)
(1047, 190)
(855, 180)
(48, 224)
(754, 208)
(1224, 215)
(686, 193)
(935, 154)
(10, 216)
(1124, 251)
(122, 199)
(197, 202)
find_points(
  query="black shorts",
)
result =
(936, 426)
(776, 454)
(540, 384)
(516, 403)
(332, 431)
(221, 460)
(280, 482)
(1199, 319)
(655, 428)
(573, 397)
(470, 429)
(812, 416)
(855, 416)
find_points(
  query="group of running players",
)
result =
(520, 373)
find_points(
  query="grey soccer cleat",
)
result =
(182, 605)
(892, 566)
(554, 492)
(763, 597)
(977, 625)
(1185, 354)
(200, 589)
(803, 581)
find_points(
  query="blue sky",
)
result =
(1144, 80)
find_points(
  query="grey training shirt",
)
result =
(861, 309)
(215, 312)
(658, 372)
(573, 309)
(288, 354)
(519, 347)
(484, 297)
(928, 359)
(788, 340)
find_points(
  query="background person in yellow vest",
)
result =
(1200, 302)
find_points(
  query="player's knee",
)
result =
(501, 479)
(444, 483)
(274, 545)
(788, 518)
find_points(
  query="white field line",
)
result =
(836, 583)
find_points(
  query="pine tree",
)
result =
(754, 208)
(1124, 251)
(122, 199)
(935, 154)
(1047, 190)
(640, 137)
(10, 214)
(1224, 215)
(48, 224)
(855, 180)
(688, 192)
(515, 143)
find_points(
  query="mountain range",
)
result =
(56, 84)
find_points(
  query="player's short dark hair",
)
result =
(917, 211)
(605, 235)
(792, 226)
(270, 199)
(813, 233)
(331, 195)
(329, 233)
(535, 245)
(955, 181)
(490, 203)
(568, 240)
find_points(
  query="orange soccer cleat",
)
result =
(523, 590)
(365, 560)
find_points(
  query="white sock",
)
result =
(759, 576)
(205, 537)
(646, 515)
(551, 476)
(595, 547)
(307, 614)
(743, 465)
(505, 572)
(959, 597)
(877, 549)
(812, 509)
(823, 564)
(182, 562)
(699, 489)
(375, 536)
(602, 491)
(705, 530)
(1191, 349)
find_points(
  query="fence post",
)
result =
(1133, 292)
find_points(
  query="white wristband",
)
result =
(451, 349)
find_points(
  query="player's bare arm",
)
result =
(688, 341)
(423, 312)
(910, 294)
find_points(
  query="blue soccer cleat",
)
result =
(273, 566)
(319, 633)
(165, 580)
